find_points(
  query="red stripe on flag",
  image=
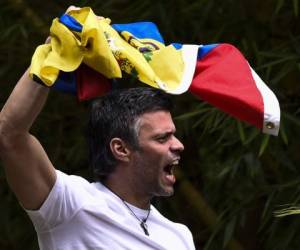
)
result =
(90, 83)
(223, 78)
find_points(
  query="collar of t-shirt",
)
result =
(140, 213)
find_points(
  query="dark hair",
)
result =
(115, 115)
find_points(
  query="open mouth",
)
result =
(169, 172)
(169, 169)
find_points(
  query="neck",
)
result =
(128, 194)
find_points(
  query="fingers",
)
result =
(72, 7)
(48, 39)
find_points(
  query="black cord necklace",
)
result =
(142, 221)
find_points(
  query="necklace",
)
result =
(142, 221)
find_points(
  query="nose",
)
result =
(176, 145)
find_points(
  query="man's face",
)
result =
(153, 163)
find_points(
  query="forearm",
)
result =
(22, 107)
(29, 171)
(26, 164)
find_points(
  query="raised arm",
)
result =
(29, 172)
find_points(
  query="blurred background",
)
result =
(232, 177)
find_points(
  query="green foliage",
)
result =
(241, 176)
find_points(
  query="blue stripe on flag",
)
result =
(205, 49)
(141, 30)
(177, 45)
(70, 22)
(66, 82)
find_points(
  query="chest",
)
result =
(109, 229)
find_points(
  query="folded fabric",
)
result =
(216, 73)
(224, 79)
(94, 42)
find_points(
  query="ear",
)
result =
(119, 149)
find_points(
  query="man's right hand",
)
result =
(28, 169)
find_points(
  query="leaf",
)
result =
(191, 114)
(287, 211)
(270, 54)
(268, 204)
(218, 121)
(279, 5)
(279, 61)
(292, 118)
(283, 72)
(8, 32)
(202, 119)
(212, 237)
(296, 7)
(229, 230)
(254, 133)
(282, 133)
(241, 132)
(264, 145)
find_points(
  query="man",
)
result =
(133, 152)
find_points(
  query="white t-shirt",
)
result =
(82, 215)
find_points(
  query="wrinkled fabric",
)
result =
(216, 73)
(100, 47)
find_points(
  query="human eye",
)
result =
(163, 138)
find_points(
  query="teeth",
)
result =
(170, 168)
(175, 163)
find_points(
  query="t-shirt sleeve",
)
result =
(190, 239)
(66, 197)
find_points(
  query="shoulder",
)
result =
(183, 228)
(61, 176)
(78, 186)
(69, 195)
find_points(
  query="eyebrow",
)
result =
(164, 134)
